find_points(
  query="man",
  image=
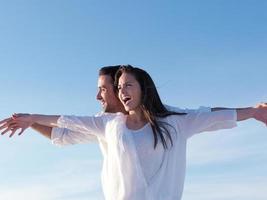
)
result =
(106, 95)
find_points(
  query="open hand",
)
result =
(14, 123)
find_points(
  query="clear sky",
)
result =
(199, 53)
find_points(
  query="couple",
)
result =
(143, 142)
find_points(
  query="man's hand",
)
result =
(14, 123)
(261, 113)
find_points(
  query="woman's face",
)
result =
(129, 92)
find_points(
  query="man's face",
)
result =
(106, 95)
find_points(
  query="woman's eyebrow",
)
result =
(127, 82)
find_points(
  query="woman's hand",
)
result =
(23, 121)
(17, 121)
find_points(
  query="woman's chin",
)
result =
(131, 109)
(127, 108)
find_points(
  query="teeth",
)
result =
(126, 99)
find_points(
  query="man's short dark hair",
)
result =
(111, 70)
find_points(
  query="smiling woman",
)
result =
(144, 150)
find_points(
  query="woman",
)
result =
(145, 151)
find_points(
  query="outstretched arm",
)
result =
(46, 120)
(259, 112)
(41, 123)
(223, 119)
(242, 113)
(44, 130)
(68, 129)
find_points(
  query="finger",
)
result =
(8, 124)
(6, 130)
(13, 131)
(8, 127)
(5, 120)
(4, 126)
(21, 131)
(8, 121)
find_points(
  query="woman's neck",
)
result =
(135, 119)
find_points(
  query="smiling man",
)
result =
(106, 94)
(108, 99)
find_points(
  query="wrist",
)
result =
(246, 113)
(33, 119)
(254, 112)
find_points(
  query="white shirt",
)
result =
(150, 158)
(63, 136)
(126, 174)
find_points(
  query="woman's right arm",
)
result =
(46, 120)
(44, 130)
(23, 121)
(94, 125)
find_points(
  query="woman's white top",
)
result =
(132, 168)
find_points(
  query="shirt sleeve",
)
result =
(187, 110)
(198, 122)
(79, 129)
(63, 136)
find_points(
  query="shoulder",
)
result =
(188, 110)
(172, 119)
(174, 109)
(111, 116)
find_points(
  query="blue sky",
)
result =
(209, 53)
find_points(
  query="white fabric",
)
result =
(150, 158)
(123, 177)
(187, 110)
(63, 136)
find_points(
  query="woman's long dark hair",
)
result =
(151, 104)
